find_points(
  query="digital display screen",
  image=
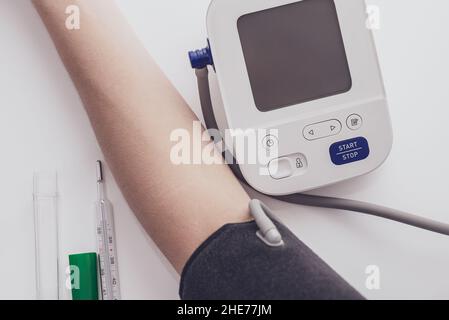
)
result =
(294, 54)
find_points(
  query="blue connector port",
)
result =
(201, 58)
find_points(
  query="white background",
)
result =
(43, 127)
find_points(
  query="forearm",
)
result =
(133, 109)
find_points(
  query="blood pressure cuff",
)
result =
(234, 264)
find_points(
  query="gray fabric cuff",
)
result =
(234, 264)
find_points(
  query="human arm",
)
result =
(133, 109)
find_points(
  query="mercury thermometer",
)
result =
(107, 253)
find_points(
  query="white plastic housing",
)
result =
(366, 98)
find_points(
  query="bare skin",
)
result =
(133, 109)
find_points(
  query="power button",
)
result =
(270, 142)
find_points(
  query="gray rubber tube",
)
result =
(369, 209)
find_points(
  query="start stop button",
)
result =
(349, 151)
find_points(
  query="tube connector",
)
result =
(201, 58)
(268, 232)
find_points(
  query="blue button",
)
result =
(349, 151)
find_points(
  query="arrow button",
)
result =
(322, 130)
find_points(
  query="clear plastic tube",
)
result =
(46, 227)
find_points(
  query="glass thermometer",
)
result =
(107, 253)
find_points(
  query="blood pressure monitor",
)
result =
(307, 71)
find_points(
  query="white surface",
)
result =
(43, 127)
